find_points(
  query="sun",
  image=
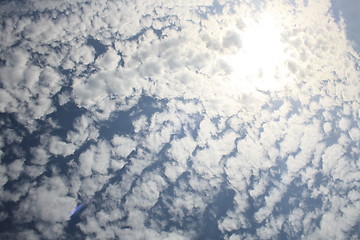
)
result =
(260, 62)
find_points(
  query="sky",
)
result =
(179, 120)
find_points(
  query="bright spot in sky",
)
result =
(260, 63)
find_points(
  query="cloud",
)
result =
(84, 130)
(83, 55)
(123, 146)
(28, 89)
(59, 147)
(275, 122)
(146, 193)
(7, 101)
(15, 169)
(95, 159)
(180, 152)
(48, 206)
(208, 162)
(4, 178)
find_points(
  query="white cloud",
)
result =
(3, 178)
(34, 170)
(47, 205)
(28, 88)
(274, 196)
(185, 203)
(59, 147)
(15, 168)
(11, 136)
(123, 146)
(90, 185)
(109, 61)
(208, 162)
(29, 235)
(63, 98)
(102, 157)
(181, 149)
(330, 157)
(86, 160)
(146, 193)
(344, 124)
(39, 156)
(139, 124)
(7, 101)
(95, 159)
(354, 133)
(83, 55)
(295, 218)
(84, 130)
(259, 188)
(327, 127)
(271, 228)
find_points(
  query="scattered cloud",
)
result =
(260, 100)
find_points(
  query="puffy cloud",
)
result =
(59, 147)
(355, 134)
(28, 88)
(344, 124)
(123, 146)
(109, 61)
(95, 159)
(48, 205)
(147, 192)
(39, 156)
(83, 55)
(15, 169)
(84, 130)
(208, 162)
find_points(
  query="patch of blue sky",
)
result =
(349, 10)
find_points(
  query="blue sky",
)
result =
(348, 10)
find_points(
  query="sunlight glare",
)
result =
(257, 65)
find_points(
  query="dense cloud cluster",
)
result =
(178, 120)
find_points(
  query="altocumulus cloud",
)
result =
(178, 120)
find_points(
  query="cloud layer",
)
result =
(178, 121)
